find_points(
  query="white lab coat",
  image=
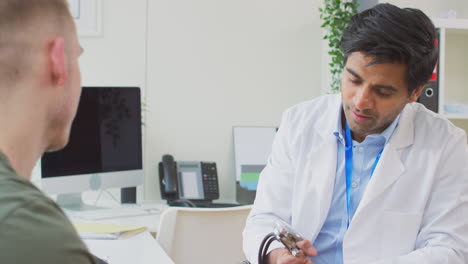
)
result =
(415, 207)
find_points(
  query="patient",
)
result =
(40, 87)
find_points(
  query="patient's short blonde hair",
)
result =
(23, 23)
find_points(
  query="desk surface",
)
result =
(151, 220)
(139, 249)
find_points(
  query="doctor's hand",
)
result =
(283, 256)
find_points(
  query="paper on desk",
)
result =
(106, 231)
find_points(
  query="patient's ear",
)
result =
(57, 61)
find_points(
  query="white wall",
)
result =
(216, 64)
(434, 8)
(205, 66)
(118, 56)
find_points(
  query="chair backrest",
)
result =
(203, 235)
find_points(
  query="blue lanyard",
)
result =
(349, 168)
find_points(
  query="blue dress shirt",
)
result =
(329, 242)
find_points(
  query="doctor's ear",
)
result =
(57, 61)
(415, 94)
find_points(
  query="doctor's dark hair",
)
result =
(394, 35)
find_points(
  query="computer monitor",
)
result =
(104, 150)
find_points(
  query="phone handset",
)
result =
(170, 176)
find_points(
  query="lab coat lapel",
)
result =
(323, 159)
(323, 163)
(387, 172)
(390, 166)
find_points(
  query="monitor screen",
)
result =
(105, 145)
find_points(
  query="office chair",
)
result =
(203, 235)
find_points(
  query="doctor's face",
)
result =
(373, 94)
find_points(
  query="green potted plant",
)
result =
(335, 16)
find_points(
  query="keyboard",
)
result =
(108, 213)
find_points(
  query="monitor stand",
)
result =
(73, 202)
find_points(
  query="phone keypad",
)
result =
(210, 180)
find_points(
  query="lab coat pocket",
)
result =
(399, 233)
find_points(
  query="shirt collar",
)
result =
(387, 133)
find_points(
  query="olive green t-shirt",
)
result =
(33, 229)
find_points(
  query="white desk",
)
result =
(150, 220)
(139, 249)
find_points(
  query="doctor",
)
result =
(369, 176)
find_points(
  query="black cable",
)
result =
(264, 247)
(265, 251)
